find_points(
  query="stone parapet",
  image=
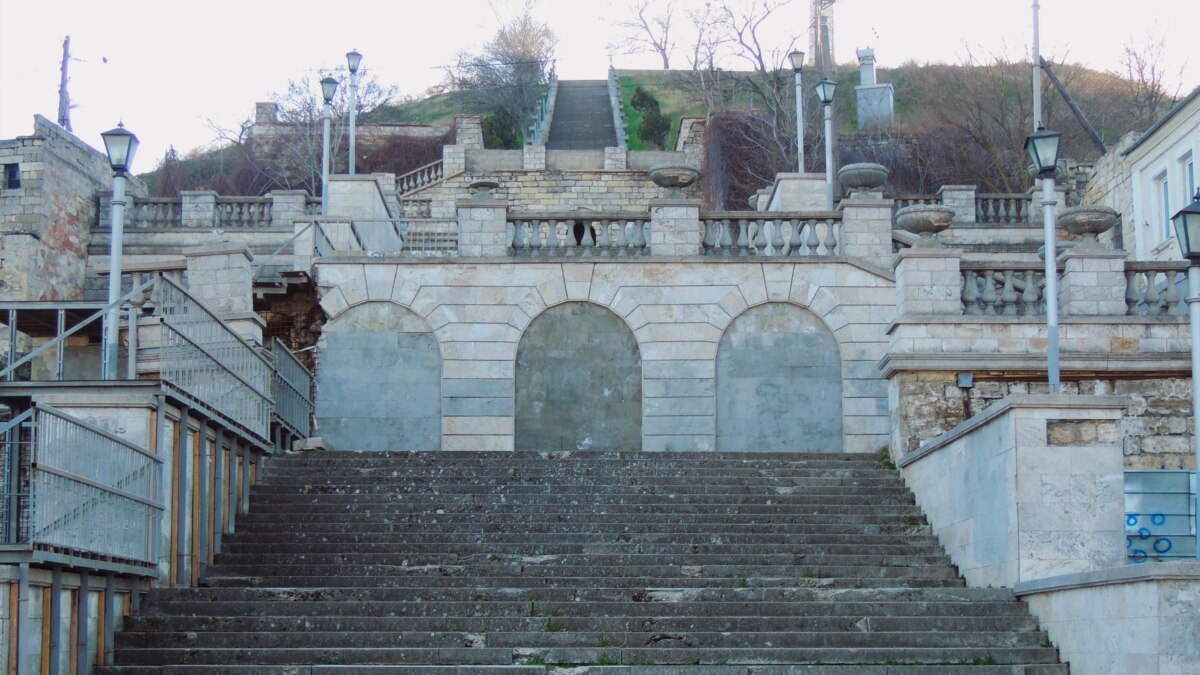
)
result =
(616, 159)
(961, 198)
(927, 280)
(867, 228)
(198, 208)
(675, 227)
(533, 157)
(220, 276)
(482, 227)
(1090, 282)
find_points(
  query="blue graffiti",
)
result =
(1160, 545)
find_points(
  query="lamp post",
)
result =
(797, 60)
(353, 58)
(121, 145)
(328, 89)
(1042, 147)
(824, 90)
(1187, 232)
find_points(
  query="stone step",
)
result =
(621, 460)
(793, 669)
(552, 634)
(536, 541)
(799, 486)
(299, 558)
(823, 579)
(412, 499)
(419, 525)
(587, 655)
(893, 546)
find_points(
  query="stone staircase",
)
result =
(583, 118)
(713, 563)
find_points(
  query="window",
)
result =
(12, 176)
(1164, 206)
(1189, 179)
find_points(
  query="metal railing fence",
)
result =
(386, 237)
(73, 487)
(292, 389)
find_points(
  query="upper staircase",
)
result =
(714, 563)
(583, 117)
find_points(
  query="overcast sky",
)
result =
(166, 71)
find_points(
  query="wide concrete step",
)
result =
(646, 527)
(575, 669)
(680, 489)
(823, 579)
(586, 655)
(515, 500)
(536, 541)
(875, 546)
(301, 559)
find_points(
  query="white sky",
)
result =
(166, 70)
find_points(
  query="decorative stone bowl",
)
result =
(674, 177)
(1088, 221)
(862, 176)
(925, 220)
(483, 190)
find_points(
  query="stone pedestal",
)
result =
(287, 206)
(468, 131)
(675, 227)
(867, 227)
(798, 192)
(616, 159)
(533, 157)
(454, 159)
(198, 208)
(482, 226)
(961, 198)
(1035, 200)
(928, 281)
(221, 277)
(357, 197)
(1093, 282)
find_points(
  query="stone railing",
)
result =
(1156, 288)
(1003, 288)
(243, 212)
(543, 114)
(757, 233)
(154, 213)
(420, 177)
(549, 235)
(902, 201)
(618, 111)
(411, 237)
(1002, 208)
(416, 208)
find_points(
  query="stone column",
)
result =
(287, 206)
(198, 209)
(675, 227)
(533, 157)
(1093, 282)
(468, 131)
(928, 281)
(1035, 200)
(221, 277)
(867, 227)
(961, 198)
(482, 227)
(454, 159)
(616, 159)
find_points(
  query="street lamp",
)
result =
(1187, 232)
(797, 60)
(353, 58)
(328, 89)
(1042, 147)
(824, 90)
(121, 146)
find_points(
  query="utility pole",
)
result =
(64, 99)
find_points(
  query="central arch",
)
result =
(779, 383)
(578, 382)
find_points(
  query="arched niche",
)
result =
(379, 381)
(779, 383)
(578, 382)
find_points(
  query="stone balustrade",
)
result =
(758, 233)
(1156, 288)
(972, 206)
(208, 210)
(1003, 288)
(243, 212)
(420, 177)
(606, 236)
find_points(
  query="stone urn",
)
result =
(674, 177)
(924, 220)
(864, 176)
(483, 190)
(1088, 221)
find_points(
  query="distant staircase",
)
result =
(713, 563)
(583, 117)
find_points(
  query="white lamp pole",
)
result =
(824, 90)
(1187, 233)
(1042, 147)
(121, 146)
(328, 89)
(797, 60)
(353, 58)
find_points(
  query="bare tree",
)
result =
(1144, 62)
(650, 27)
(511, 73)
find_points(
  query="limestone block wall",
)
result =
(1031, 488)
(678, 313)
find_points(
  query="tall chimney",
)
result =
(866, 65)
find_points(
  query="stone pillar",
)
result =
(928, 281)
(454, 159)
(468, 131)
(675, 227)
(198, 208)
(867, 227)
(1035, 200)
(482, 227)
(616, 159)
(221, 277)
(287, 206)
(961, 198)
(1093, 282)
(533, 157)
(798, 192)
(302, 245)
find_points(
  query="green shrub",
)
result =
(654, 128)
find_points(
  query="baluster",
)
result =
(710, 241)
(1007, 210)
(646, 236)
(1131, 293)
(831, 241)
(617, 238)
(510, 233)
(970, 293)
(989, 298)
(1172, 298)
(785, 237)
(526, 237)
(1153, 301)
(544, 229)
(726, 238)
(1009, 295)
(634, 236)
(603, 238)
(562, 237)
(743, 242)
(586, 241)
(758, 242)
(980, 211)
(798, 238)
(1029, 297)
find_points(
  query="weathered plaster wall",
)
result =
(678, 314)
